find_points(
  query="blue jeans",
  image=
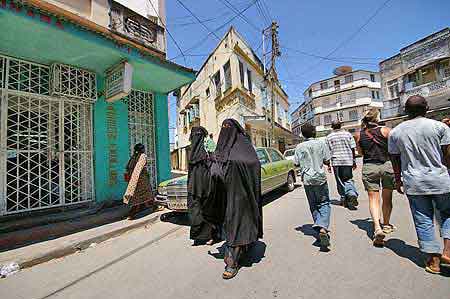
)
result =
(319, 204)
(422, 209)
(344, 181)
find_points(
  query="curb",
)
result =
(79, 246)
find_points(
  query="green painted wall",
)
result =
(162, 137)
(111, 149)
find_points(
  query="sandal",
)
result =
(378, 238)
(324, 239)
(230, 272)
(429, 268)
(445, 261)
(388, 228)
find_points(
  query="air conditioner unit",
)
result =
(118, 81)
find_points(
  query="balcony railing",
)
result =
(350, 85)
(134, 26)
(428, 90)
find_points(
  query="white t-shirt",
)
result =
(419, 143)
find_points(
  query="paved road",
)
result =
(159, 262)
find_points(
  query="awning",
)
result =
(30, 35)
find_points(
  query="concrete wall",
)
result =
(95, 10)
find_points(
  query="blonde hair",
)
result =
(371, 117)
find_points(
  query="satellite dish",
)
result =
(345, 69)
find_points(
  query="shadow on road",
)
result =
(177, 218)
(254, 255)
(308, 230)
(365, 225)
(400, 248)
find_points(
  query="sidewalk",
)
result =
(67, 237)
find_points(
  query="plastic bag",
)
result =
(9, 269)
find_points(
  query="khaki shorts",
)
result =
(378, 175)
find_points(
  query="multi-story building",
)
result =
(231, 84)
(343, 97)
(421, 68)
(81, 82)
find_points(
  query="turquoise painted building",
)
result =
(61, 142)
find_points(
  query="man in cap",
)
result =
(342, 147)
(420, 154)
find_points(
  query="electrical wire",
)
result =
(168, 32)
(353, 35)
(198, 19)
(216, 30)
(241, 15)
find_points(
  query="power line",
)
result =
(240, 14)
(217, 29)
(168, 32)
(198, 19)
(327, 58)
(352, 36)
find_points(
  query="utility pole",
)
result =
(272, 32)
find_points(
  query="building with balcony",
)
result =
(81, 82)
(343, 97)
(422, 68)
(231, 84)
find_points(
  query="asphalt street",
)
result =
(159, 262)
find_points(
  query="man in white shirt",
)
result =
(342, 146)
(420, 154)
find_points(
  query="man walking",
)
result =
(342, 146)
(420, 149)
(210, 145)
(311, 155)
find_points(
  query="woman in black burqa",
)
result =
(198, 188)
(235, 197)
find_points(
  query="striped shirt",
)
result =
(341, 144)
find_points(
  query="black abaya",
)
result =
(198, 185)
(237, 177)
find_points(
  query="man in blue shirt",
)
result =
(310, 156)
(420, 154)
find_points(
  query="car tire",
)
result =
(290, 182)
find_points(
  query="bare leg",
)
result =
(374, 206)
(446, 252)
(387, 205)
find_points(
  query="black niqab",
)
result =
(236, 176)
(198, 184)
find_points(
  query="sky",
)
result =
(359, 33)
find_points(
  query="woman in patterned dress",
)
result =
(139, 194)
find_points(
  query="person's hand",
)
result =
(399, 186)
(354, 165)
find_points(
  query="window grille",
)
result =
(141, 127)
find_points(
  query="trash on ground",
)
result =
(9, 269)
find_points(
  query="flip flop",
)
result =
(429, 270)
(389, 228)
(230, 272)
(378, 238)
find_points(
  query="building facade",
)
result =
(81, 82)
(343, 97)
(422, 68)
(231, 84)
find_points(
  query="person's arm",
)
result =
(445, 145)
(446, 151)
(353, 147)
(327, 157)
(394, 154)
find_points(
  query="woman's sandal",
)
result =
(389, 228)
(378, 238)
(230, 272)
